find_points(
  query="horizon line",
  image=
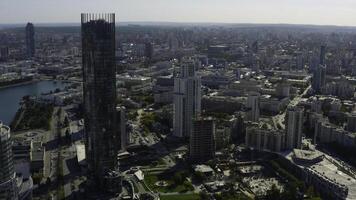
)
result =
(182, 23)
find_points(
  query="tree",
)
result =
(199, 176)
(66, 122)
(312, 194)
(188, 185)
(290, 193)
(132, 115)
(146, 196)
(178, 178)
(273, 193)
(203, 195)
(48, 181)
(37, 177)
(59, 112)
(68, 138)
(147, 120)
(218, 196)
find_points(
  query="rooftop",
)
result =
(330, 170)
(4, 131)
(306, 155)
(203, 168)
(37, 151)
(80, 149)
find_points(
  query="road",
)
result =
(279, 119)
(59, 156)
(51, 153)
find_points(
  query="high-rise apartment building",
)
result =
(4, 53)
(319, 73)
(294, 127)
(149, 50)
(319, 76)
(99, 94)
(186, 98)
(202, 142)
(8, 186)
(253, 104)
(351, 122)
(322, 54)
(30, 40)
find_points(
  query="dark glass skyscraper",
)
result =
(201, 141)
(99, 90)
(30, 40)
(319, 74)
(322, 54)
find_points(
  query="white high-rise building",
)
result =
(186, 98)
(8, 187)
(253, 104)
(294, 126)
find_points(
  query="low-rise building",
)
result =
(37, 156)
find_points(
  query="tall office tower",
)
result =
(319, 76)
(186, 98)
(202, 143)
(299, 61)
(253, 104)
(351, 122)
(314, 62)
(99, 95)
(255, 47)
(322, 54)
(294, 127)
(4, 53)
(30, 40)
(8, 187)
(121, 122)
(149, 50)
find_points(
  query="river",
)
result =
(10, 97)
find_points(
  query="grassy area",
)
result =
(181, 197)
(173, 186)
(147, 121)
(34, 116)
(135, 187)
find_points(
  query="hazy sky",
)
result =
(325, 12)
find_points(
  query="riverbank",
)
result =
(11, 96)
(20, 84)
(34, 81)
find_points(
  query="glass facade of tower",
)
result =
(30, 40)
(99, 90)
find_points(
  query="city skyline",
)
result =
(177, 100)
(198, 11)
